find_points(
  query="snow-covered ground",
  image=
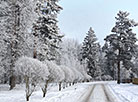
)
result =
(70, 94)
(124, 93)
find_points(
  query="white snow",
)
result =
(98, 94)
(122, 92)
(70, 94)
(126, 92)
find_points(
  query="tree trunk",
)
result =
(27, 88)
(60, 86)
(20, 79)
(73, 83)
(14, 44)
(66, 84)
(27, 98)
(45, 88)
(63, 85)
(5, 79)
(35, 43)
(44, 93)
(12, 82)
(113, 71)
(118, 79)
(34, 54)
(12, 77)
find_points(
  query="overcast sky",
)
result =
(78, 16)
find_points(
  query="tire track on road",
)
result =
(98, 93)
(109, 97)
(86, 96)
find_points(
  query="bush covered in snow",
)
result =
(56, 73)
(33, 71)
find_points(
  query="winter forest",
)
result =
(36, 57)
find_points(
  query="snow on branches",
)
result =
(33, 71)
(122, 43)
(56, 73)
(30, 67)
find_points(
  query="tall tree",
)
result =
(16, 17)
(122, 42)
(90, 52)
(13, 37)
(46, 31)
(70, 50)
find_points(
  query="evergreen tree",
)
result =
(109, 61)
(121, 44)
(90, 52)
(46, 31)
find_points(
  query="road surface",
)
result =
(98, 93)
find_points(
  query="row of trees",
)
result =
(30, 29)
(118, 55)
(40, 73)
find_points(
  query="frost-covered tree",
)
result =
(33, 71)
(90, 54)
(2, 44)
(122, 43)
(109, 61)
(57, 75)
(16, 20)
(69, 57)
(11, 28)
(69, 74)
(46, 31)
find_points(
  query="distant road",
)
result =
(98, 93)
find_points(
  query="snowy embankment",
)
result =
(70, 94)
(125, 92)
(75, 93)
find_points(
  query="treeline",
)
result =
(37, 73)
(32, 50)
(117, 58)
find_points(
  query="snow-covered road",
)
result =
(98, 93)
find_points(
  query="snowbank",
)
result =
(70, 94)
(126, 92)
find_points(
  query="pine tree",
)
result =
(90, 52)
(121, 44)
(109, 61)
(46, 31)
